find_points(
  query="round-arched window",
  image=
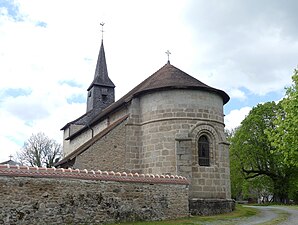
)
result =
(204, 151)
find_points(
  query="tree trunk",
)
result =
(281, 190)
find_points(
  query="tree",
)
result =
(255, 156)
(39, 151)
(241, 187)
(285, 136)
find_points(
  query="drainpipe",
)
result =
(92, 131)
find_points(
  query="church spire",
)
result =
(101, 76)
(101, 90)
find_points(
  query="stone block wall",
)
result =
(171, 123)
(133, 138)
(205, 207)
(58, 196)
(210, 181)
(71, 145)
(166, 115)
(108, 153)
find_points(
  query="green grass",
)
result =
(227, 218)
(293, 207)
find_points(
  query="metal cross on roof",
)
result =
(102, 24)
(168, 53)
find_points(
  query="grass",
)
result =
(227, 218)
(293, 207)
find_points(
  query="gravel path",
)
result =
(292, 219)
(267, 213)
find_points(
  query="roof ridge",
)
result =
(167, 77)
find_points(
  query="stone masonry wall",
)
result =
(211, 181)
(58, 196)
(133, 138)
(171, 123)
(108, 153)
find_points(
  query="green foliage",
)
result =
(257, 168)
(264, 150)
(285, 136)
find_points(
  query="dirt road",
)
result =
(267, 216)
(269, 213)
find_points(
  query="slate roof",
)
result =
(101, 77)
(10, 162)
(167, 77)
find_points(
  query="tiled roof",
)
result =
(171, 77)
(10, 162)
(41, 172)
(167, 77)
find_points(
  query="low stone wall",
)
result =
(58, 196)
(204, 207)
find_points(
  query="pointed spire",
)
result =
(101, 91)
(101, 76)
(101, 72)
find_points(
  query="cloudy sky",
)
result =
(48, 52)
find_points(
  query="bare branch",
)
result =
(39, 150)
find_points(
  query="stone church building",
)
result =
(171, 123)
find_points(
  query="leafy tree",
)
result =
(256, 157)
(285, 136)
(241, 187)
(39, 151)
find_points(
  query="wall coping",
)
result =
(42, 172)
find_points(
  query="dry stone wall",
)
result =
(64, 196)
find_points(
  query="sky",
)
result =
(49, 48)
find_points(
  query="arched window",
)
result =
(204, 151)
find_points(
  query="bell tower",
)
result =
(101, 91)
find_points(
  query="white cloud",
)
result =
(235, 117)
(236, 93)
(233, 46)
(249, 44)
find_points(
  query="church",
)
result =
(171, 123)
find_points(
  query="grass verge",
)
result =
(227, 218)
(293, 207)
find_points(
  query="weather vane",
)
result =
(168, 53)
(102, 24)
(10, 157)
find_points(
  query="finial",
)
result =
(102, 24)
(10, 157)
(168, 53)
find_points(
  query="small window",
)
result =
(104, 98)
(204, 151)
(104, 91)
